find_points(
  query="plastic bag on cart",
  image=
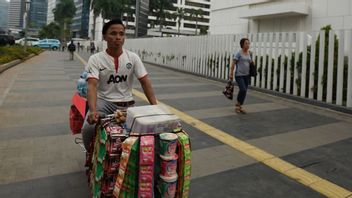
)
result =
(77, 113)
(82, 86)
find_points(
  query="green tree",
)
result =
(203, 30)
(110, 9)
(180, 15)
(196, 15)
(63, 14)
(52, 30)
(159, 8)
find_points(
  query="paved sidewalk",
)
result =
(38, 157)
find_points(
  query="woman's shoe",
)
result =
(242, 110)
(238, 108)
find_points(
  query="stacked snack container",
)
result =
(148, 156)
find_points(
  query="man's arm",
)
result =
(92, 101)
(148, 90)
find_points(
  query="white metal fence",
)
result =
(317, 65)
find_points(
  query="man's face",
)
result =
(115, 36)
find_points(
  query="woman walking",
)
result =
(241, 60)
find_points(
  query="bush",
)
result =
(10, 53)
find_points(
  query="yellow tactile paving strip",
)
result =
(306, 178)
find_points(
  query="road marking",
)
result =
(81, 59)
(302, 176)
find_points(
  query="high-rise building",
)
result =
(51, 5)
(141, 18)
(38, 14)
(188, 26)
(80, 23)
(15, 17)
(4, 11)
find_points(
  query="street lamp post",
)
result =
(27, 5)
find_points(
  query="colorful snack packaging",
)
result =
(168, 143)
(184, 165)
(168, 166)
(146, 167)
(101, 153)
(103, 136)
(167, 186)
(125, 185)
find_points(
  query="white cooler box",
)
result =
(151, 119)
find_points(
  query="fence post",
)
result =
(295, 64)
(312, 66)
(264, 66)
(340, 62)
(276, 60)
(349, 75)
(255, 52)
(321, 65)
(282, 64)
(288, 68)
(229, 54)
(259, 64)
(217, 60)
(330, 73)
(271, 40)
(304, 65)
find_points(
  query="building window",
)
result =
(198, 5)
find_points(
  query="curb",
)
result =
(6, 66)
(270, 92)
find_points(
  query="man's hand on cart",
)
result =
(93, 117)
(120, 116)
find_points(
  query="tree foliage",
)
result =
(63, 15)
(66, 9)
(160, 9)
(52, 30)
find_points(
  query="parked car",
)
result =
(53, 44)
(7, 39)
(30, 41)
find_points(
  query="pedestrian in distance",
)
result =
(241, 63)
(78, 46)
(92, 47)
(71, 48)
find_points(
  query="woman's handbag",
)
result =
(252, 67)
(228, 91)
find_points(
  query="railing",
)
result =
(320, 63)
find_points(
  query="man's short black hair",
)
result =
(242, 41)
(110, 23)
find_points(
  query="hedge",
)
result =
(10, 53)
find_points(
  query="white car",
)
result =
(76, 40)
(30, 41)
